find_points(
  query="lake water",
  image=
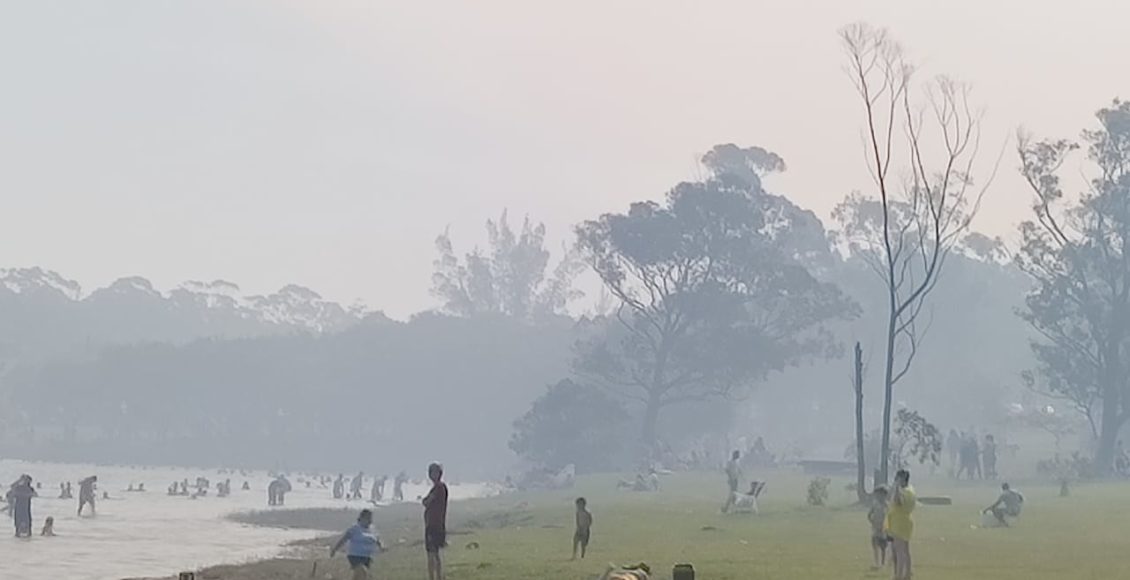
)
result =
(151, 533)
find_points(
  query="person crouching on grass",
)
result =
(363, 545)
(435, 521)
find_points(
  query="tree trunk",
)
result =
(1111, 420)
(1108, 435)
(888, 395)
(650, 421)
(860, 456)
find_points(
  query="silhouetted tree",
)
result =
(907, 229)
(1078, 254)
(509, 279)
(571, 424)
(712, 290)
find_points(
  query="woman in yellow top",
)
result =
(900, 525)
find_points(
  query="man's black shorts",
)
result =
(355, 561)
(434, 540)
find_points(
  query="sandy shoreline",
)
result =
(400, 527)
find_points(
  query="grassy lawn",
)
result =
(521, 536)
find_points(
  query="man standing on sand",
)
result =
(435, 521)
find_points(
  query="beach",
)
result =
(152, 534)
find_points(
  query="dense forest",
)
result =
(196, 375)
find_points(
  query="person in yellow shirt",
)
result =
(900, 524)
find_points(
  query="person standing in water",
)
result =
(378, 490)
(363, 543)
(19, 503)
(355, 486)
(86, 494)
(339, 486)
(900, 524)
(398, 486)
(435, 521)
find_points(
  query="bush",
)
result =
(818, 491)
(1062, 469)
(571, 424)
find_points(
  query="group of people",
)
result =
(362, 542)
(21, 492)
(376, 492)
(277, 490)
(649, 482)
(199, 489)
(971, 458)
(892, 525)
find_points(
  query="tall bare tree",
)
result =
(921, 158)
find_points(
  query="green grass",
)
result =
(524, 536)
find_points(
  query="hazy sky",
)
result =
(326, 143)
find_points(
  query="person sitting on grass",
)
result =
(363, 543)
(584, 528)
(1008, 505)
(640, 484)
(878, 518)
(639, 571)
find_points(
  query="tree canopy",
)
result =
(509, 278)
(1077, 252)
(713, 290)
